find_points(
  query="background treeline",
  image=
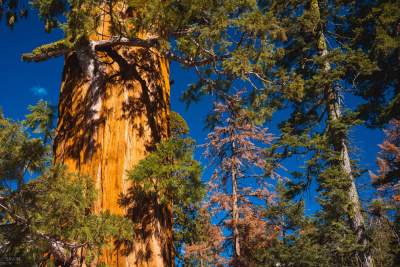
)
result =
(304, 59)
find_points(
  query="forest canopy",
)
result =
(113, 177)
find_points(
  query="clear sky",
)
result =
(22, 84)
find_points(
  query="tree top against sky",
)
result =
(190, 32)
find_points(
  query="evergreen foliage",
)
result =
(295, 242)
(48, 218)
(385, 233)
(375, 29)
(171, 175)
(171, 172)
(227, 41)
(19, 153)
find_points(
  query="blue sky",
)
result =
(23, 84)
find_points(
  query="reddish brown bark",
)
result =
(113, 108)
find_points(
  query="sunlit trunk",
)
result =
(113, 109)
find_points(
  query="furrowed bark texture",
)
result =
(113, 109)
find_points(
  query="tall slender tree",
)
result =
(327, 70)
(234, 146)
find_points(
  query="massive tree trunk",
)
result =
(113, 109)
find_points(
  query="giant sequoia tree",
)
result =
(114, 100)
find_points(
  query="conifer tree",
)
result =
(114, 116)
(295, 242)
(233, 147)
(205, 249)
(19, 153)
(326, 69)
(384, 227)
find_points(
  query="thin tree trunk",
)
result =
(334, 115)
(340, 146)
(235, 217)
(235, 210)
(111, 114)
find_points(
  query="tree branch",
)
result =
(101, 45)
(33, 57)
(122, 41)
(25, 222)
